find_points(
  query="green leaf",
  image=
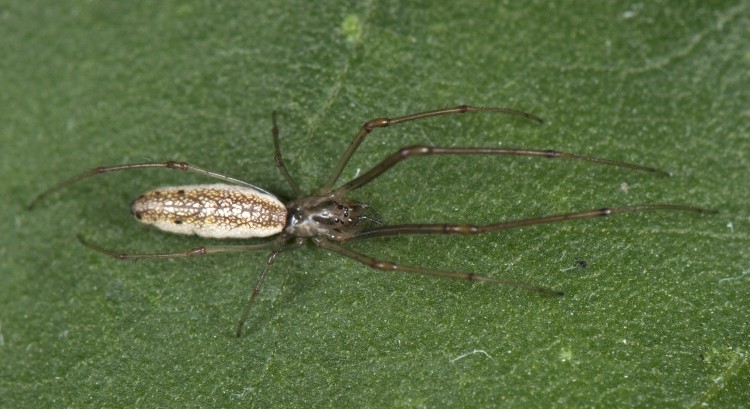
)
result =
(657, 317)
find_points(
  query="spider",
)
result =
(239, 210)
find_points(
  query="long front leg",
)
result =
(419, 150)
(391, 266)
(370, 125)
(444, 228)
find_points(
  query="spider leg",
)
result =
(442, 228)
(280, 160)
(390, 266)
(183, 166)
(370, 125)
(262, 278)
(420, 150)
(198, 251)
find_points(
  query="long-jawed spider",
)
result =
(239, 210)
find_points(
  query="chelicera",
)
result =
(327, 218)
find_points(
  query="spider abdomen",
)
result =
(215, 211)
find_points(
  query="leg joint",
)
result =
(376, 123)
(172, 164)
(415, 150)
